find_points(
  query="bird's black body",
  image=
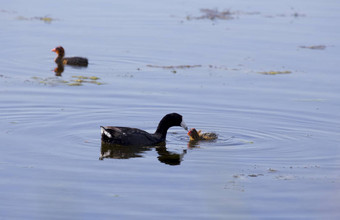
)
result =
(137, 137)
(129, 136)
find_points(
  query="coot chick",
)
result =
(75, 61)
(199, 135)
(136, 137)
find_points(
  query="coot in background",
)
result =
(61, 60)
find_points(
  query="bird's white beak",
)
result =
(183, 125)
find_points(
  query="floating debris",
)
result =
(271, 170)
(175, 67)
(215, 14)
(52, 81)
(45, 19)
(282, 15)
(76, 81)
(255, 175)
(227, 14)
(85, 79)
(275, 72)
(125, 75)
(286, 177)
(22, 18)
(7, 11)
(285, 173)
(315, 47)
(296, 14)
(246, 142)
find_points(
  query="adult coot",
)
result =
(75, 61)
(136, 137)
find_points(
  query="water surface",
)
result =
(277, 154)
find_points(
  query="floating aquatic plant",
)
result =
(86, 79)
(227, 14)
(175, 67)
(275, 72)
(45, 19)
(75, 81)
(213, 14)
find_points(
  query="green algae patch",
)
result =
(51, 81)
(74, 81)
(247, 142)
(96, 82)
(75, 84)
(275, 72)
(87, 79)
(80, 77)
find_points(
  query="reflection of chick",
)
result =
(59, 70)
(199, 135)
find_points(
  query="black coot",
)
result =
(136, 137)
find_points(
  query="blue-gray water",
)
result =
(277, 155)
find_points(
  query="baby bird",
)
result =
(74, 61)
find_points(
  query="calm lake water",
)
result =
(263, 75)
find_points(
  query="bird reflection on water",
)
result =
(126, 152)
(59, 70)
